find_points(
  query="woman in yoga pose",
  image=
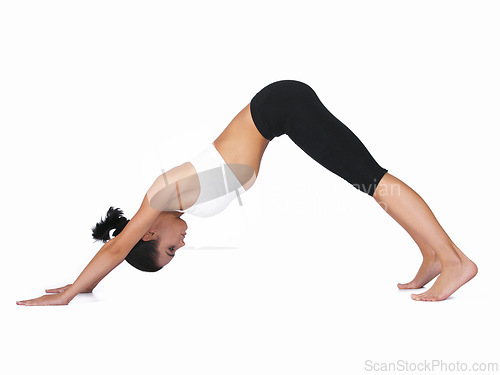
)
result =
(229, 166)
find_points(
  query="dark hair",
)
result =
(143, 255)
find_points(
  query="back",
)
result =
(203, 186)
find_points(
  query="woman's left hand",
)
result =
(47, 300)
(64, 288)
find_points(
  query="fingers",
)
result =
(57, 290)
(49, 299)
(28, 302)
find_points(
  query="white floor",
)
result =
(288, 302)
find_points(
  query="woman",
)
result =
(230, 165)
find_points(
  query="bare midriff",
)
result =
(242, 143)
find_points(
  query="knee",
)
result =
(380, 188)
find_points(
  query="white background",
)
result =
(97, 97)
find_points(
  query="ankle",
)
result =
(430, 257)
(447, 254)
(450, 261)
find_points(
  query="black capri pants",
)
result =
(293, 108)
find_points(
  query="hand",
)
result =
(63, 288)
(48, 299)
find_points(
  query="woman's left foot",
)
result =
(452, 277)
(430, 268)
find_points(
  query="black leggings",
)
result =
(293, 108)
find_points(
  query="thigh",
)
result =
(293, 108)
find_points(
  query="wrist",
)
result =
(67, 295)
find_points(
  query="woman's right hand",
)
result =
(63, 288)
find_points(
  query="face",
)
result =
(169, 230)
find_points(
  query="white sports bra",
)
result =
(218, 184)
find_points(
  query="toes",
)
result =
(436, 298)
(425, 297)
(404, 286)
(421, 296)
(410, 285)
(418, 297)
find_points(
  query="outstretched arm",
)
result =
(107, 258)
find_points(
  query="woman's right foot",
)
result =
(453, 276)
(430, 268)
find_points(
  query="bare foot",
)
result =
(452, 277)
(430, 268)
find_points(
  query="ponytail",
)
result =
(114, 220)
